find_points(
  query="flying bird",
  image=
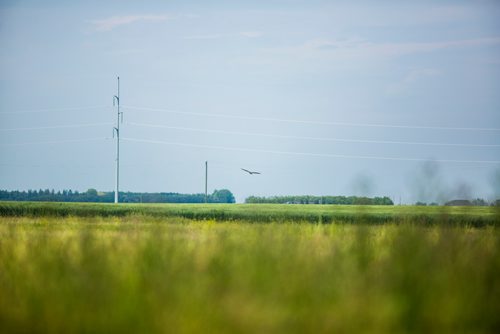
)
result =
(250, 172)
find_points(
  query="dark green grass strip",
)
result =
(259, 213)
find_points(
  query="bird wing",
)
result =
(249, 171)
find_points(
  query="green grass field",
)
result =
(84, 268)
(468, 216)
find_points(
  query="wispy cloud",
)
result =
(409, 48)
(356, 51)
(360, 47)
(205, 36)
(410, 79)
(415, 75)
(246, 34)
(251, 34)
(113, 22)
(322, 54)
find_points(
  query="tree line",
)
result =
(92, 195)
(346, 200)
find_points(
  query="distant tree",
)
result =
(479, 202)
(92, 195)
(91, 192)
(321, 200)
(222, 196)
(362, 201)
(459, 202)
(421, 204)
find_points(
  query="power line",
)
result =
(54, 141)
(309, 138)
(351, 124)
(304, 153)
(56, 165)
(58, 127)
(53, 110)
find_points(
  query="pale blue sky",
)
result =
(432, 66)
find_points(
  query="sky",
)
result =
(386, 98)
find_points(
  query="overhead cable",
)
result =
(58, 127)
(44, 110)
(350, 124)
(309, 138)
(54, 141)
(305, 153)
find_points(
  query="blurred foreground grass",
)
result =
(173, 275)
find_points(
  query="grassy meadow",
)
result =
(368, 214)
(155, 269)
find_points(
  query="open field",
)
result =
(140, 272)
(424, 215)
